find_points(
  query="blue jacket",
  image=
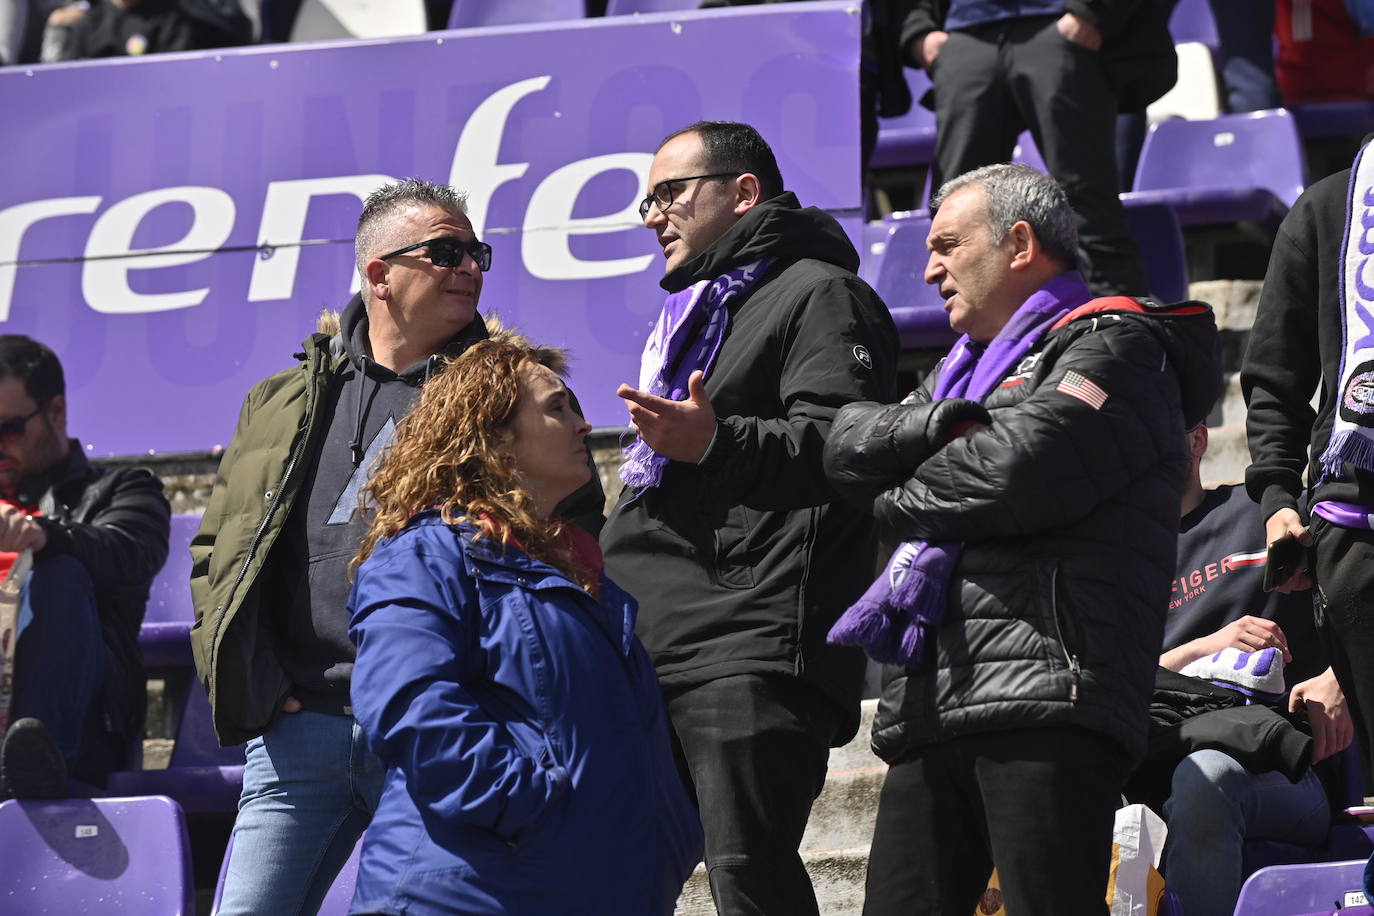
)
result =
(526, 744)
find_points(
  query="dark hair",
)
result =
(374, 232)
(25, 358)
(734, 147)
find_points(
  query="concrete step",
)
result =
(844, 813)
(836, 874)
(857, 754)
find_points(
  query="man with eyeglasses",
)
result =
(727, 532)
(270, 576)
(95, 538)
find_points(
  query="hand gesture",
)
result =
(1323, 701)
(677, 430)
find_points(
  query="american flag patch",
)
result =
(1083, 388)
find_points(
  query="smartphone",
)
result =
(1287, 556)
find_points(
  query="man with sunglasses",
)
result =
(270, 576)
(97, 538)
(727, 533)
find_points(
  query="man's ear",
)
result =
(1025, 247)
(378, 272)
(56, 413)
(748, 193)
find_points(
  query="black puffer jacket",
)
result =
(1069, 518)
(741, 563)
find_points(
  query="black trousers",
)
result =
(1038, 802)
(1345, 606)
(994, 81)
(754, 749)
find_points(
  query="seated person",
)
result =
(98, 537)
(1218, 603)
(131, 28)
(498, 677)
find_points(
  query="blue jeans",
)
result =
(60, 665)
(1215, 806)
(310, 788)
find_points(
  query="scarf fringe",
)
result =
(1350, 446)
(643, 466)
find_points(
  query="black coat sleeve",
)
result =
(1280, 374)
(123, 543)
(774, 463)
(1050, 459)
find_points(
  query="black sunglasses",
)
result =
(14, 428)
(448, 251)
(662, 194)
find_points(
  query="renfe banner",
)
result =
(173, 226)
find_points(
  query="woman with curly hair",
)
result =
(498, 676)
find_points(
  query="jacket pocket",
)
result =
(1065, 629)
(734, 568)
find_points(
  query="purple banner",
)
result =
(172, 226)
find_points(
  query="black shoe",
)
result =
(31, 764)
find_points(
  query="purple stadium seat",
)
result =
(165, 635)
(1192, 21)
(335, 903)
(1334, 119)
(909, 139)
(916, 306)
(871, 254)
(202, 776)
(95, 856)
(467, 14)
(1298, 890)
(625, 7)
(1236, 167)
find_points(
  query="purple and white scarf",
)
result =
(892, 619)
(1352, 428)
(687, 337)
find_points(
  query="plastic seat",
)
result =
(626, 7)
(1317, 120)
(1192, 20)
(917, 307)
(95, 856)
(1298, 890)
(468, 14)
(907, 140)
(335, 903)
(201, 776)
(1236, 167)
(165, 635)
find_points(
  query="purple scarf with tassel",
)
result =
(687, 337)
(893, 618)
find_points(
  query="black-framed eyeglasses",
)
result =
(13, 428)
(448, 251)
(662, 195)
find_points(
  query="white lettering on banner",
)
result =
(105, 283)
(547, 227)
(15, 221)
(546, 253)
(474, 166)
(283, 226)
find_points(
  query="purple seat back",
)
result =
(468, 14)
(1192, 21)
(916, 306)
(165, 634)
(1285, 890)
(1159, 236)
(95, 856)
(1027, 153)
(625, 7)
(908, 139)
(1258, 149)
(335, 903)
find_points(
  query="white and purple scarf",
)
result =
(1352, 430)
(687, 337)
(892, 619)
